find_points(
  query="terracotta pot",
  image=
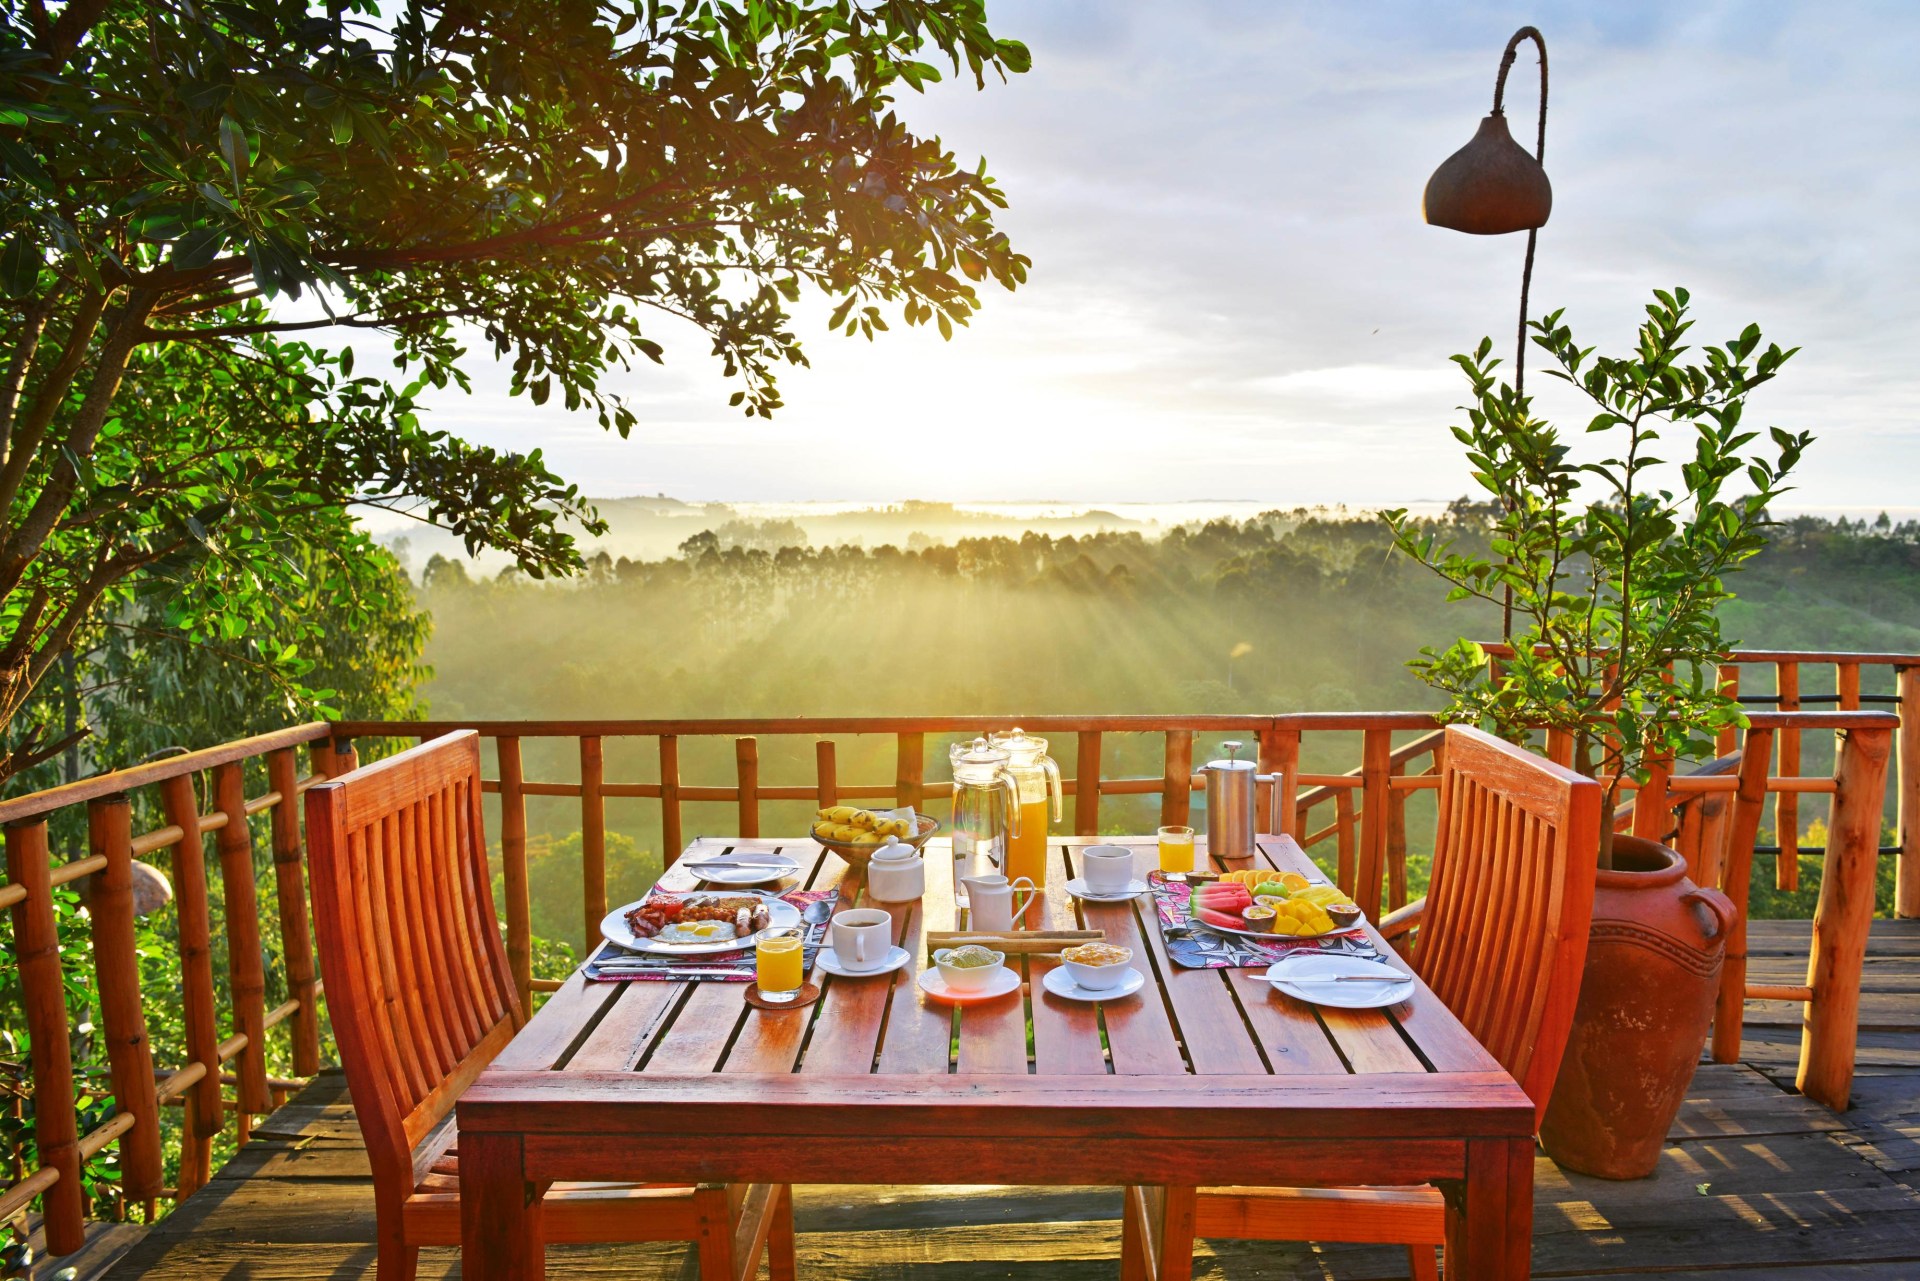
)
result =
(1646, 1000)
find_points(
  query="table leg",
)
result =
(1156, 1234)
(1490, 1213)
(500, 1211)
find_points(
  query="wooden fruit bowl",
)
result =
(857, 855)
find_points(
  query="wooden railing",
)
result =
(1712, 816)
(1372, 854)
(1365, 768)
(1783, 689)
(139, 1090)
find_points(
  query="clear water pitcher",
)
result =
(1037, 778)
(986, 810)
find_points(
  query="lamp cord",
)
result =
(1540, 154)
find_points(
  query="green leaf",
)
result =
(20, 262)
(233, 145)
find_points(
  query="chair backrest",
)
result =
(418, 986)
(1504, 938)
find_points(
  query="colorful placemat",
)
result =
(1195, 947)
(611, 963)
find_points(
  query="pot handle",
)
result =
(1719, 906)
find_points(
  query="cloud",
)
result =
(1221, 199)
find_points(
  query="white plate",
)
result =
(934, 984)
(1079, 889)
(1199, 924)
(614, 929)
(1344, 996)
(1060, 983)
(749, 875)
(830, 962)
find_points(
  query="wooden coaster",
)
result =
(809, 993)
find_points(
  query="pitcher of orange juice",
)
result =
(1036, 778)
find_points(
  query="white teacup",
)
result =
(1108, 869)
(862, 939)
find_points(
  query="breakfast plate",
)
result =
(1061, 984)
(756, 869)
(1263, 935)
(935, 985)
(1079, 888)
(1343, 982)
(695, 938)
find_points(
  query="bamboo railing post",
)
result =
(296, 933)
(116, 971)
(182, 810)
(1749, 806)
(746, 762)
(1345, 873)
(909, 784)
(1375, 764)
(1086, 784)
(1653, 803)
(593, 837)
(1786, 806)
(1729, 738)
(1843, 918)
(1176, 789)
(670, 841)
(1906, 894)
(1283, 761)
(826, 774)
(513, 866)
(247, 984)
(43, 994)
(1397, 840)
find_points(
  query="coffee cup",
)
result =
(862, 939)
(1108, 869)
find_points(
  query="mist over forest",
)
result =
(1285, 611)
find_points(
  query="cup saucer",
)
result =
(829, 962)
(1060, 983)
(934, 984)
(1079, 888)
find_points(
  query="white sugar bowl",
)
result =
(896, 873)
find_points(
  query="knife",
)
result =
(784, 867)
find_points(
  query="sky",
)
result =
(1233, 295)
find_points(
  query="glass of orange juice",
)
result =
(1176, 850)
(779, 965)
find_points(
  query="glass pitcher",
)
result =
(1037, 778)
(986, 810)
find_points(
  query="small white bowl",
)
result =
(1098, 978)
(968, 978)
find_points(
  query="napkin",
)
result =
(735, 966)
(1195, 947)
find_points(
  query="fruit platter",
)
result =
(854, 833)
(698, 923)
(1265, 904)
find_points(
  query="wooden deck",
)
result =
(1757, 1185)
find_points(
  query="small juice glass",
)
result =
(779, 965)
(1176, 850)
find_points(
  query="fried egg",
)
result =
(697, 932)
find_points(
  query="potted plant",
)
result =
(1608, 575)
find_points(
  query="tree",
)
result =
(1613, 582)
(184, 187)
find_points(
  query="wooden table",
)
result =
(1206, 1077)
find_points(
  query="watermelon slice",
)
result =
(1208, 916)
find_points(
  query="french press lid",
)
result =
(1233, 762)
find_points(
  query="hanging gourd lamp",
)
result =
(1492, 186)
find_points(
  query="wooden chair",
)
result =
(1517, 844)
(421, 999)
